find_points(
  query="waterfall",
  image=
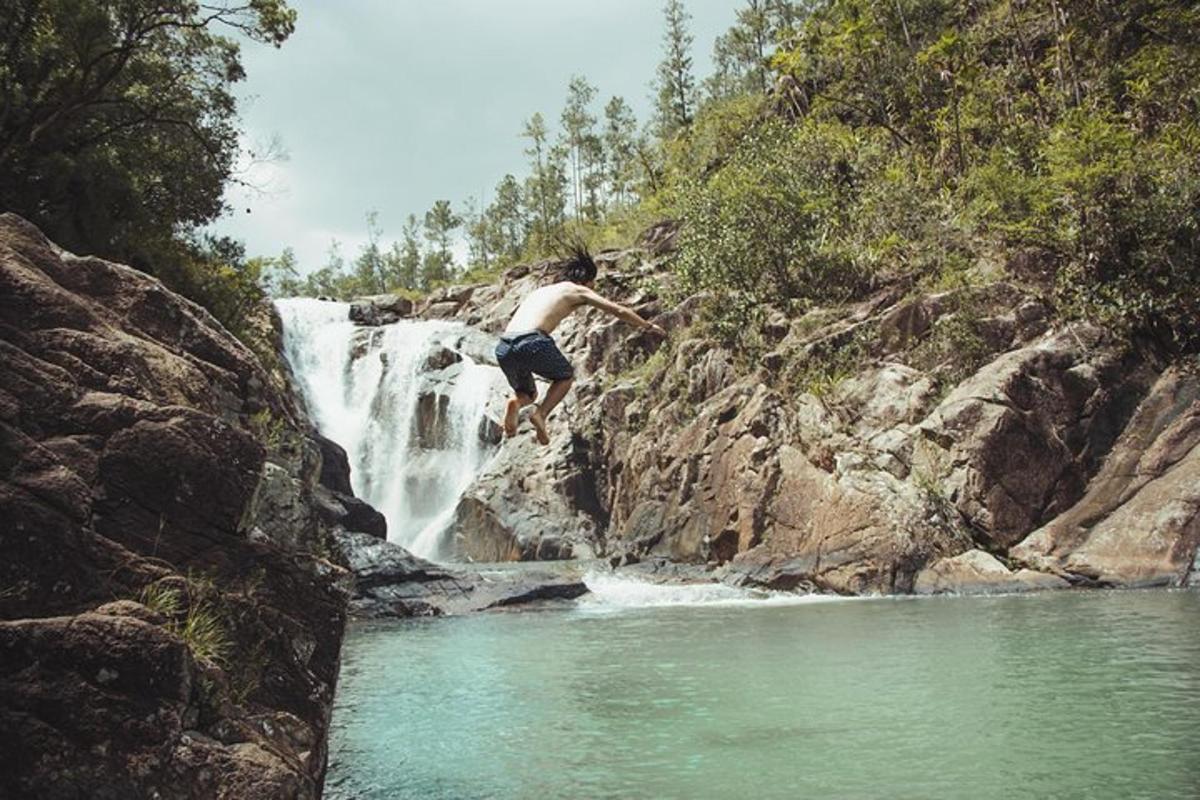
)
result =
(406, 404)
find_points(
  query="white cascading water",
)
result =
(363, 386)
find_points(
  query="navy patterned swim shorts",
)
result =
(525, 354)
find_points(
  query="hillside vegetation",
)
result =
(942, 142)
(837, 147)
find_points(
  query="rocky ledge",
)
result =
(962, 440)
(391, 582)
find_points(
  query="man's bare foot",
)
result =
(539, 425)
(510, 417)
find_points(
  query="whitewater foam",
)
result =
(610, 591)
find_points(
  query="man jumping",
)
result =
(526, 349)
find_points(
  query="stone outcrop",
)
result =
(380, 309)
(151, 459)
(391, 582)
(1014, 444)
(1139, 522)
(977, 572)
(892, 446)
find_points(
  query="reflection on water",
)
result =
(1068, 695)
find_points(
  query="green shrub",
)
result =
(770, 224)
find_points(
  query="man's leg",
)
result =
(515, 404)
(554, 395)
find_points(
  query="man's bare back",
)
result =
(526, 349)
(545, 307)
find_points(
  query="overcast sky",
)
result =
(389, 105)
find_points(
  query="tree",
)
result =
(592, 157)
(479, 236)
(578, 124)
(118, 130)
(370, 271)
(507, 219)
(740, 54)
(278, 276)
(330, 279)
(545, 188)
(440, 222)
(675, 88)
(539, 204)
(117, 119)
(620, 144)
(408, 263)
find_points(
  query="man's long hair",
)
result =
(579, 266)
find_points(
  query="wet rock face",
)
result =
(145, 446)
(962, 422)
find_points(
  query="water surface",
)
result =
(1058, 695)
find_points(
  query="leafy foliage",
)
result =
(118, 134)
(921, 137)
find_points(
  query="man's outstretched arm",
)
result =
(591, 298)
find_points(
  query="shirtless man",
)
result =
(526, 349)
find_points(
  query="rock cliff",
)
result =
(170, 623)
(962, 440)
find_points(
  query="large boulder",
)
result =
(1015, 444)
(527, 504)
(147, 450)
(977, 572)
(1139, 522)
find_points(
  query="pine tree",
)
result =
(675, 86)
(620, 145)
(507, 220)
(479, 235)
(592, 157)
(438, 266)
(368, 266)
(408, 272)
(535, 198)
(578, 124)
(545, 189)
